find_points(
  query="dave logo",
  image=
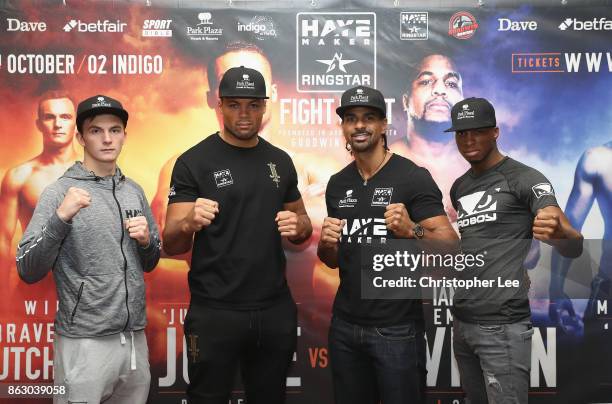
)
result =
(479, 207)
(364, 230)
(382, 196)
(541, 189)
(223, 178)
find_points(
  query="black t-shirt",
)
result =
(495, 213)
(363, 207)
(238, 261)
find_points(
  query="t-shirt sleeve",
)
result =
(452, 195)
(292, 194)
(328, 201)
(426, 199)
(534, 189)
(183, 187)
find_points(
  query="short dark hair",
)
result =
(53, 95)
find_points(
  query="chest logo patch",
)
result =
(543, 188)
(348, 201)
(273, 174)
(478, 207)
(382, 196)
(223, 178)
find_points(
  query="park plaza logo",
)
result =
(100, 26)
(478, 207)
(101, 102)
(465, 113)
(205, 29)
(245, 83)
(348, 201)
(359, 96)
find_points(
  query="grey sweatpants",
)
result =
(110, 369)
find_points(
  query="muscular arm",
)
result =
(177, 236)
(9, 209)
(568, 241)
(438, 228)
(304, 227)
(578, 206)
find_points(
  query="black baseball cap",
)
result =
(472, 113)
(242, 82)
(98, 105)
(362, 96)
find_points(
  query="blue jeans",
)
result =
(494, 361)
(377, 364)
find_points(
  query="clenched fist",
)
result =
(74, 200)
(398, 220)
(547, 226)
(287, 222)
(201, 216)
(138, 228)
(331, 231)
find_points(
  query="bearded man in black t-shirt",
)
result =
(376, 346)
(501, 205)
(234, 197)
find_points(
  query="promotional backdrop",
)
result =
(547, 71)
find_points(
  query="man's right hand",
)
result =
(201, 216)
(75, 200)
(331, 231)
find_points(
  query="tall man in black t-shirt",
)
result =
(501, 204)
(234, 196)
(377, 347)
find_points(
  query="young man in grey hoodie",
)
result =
(94, 229)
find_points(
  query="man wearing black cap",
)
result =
(234, 197)
(501, 205)
(377, 347)
(94, 229)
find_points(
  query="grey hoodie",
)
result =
(98, 268)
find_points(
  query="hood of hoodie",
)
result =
(78, 171)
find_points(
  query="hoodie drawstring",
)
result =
(132, 350)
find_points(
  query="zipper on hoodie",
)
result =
(127, 306)
(77, 302)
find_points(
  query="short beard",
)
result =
(248, 136)
(431, 131)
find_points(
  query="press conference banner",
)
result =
(546, 70)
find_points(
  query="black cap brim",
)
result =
(342, 109)
(120, 113)
(452, 129)
(245, 97)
